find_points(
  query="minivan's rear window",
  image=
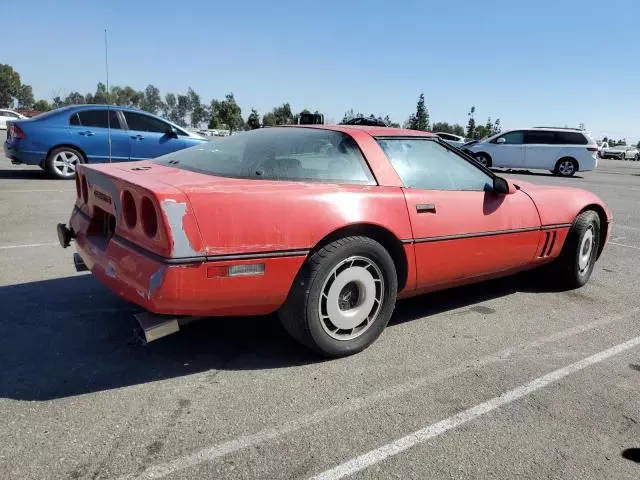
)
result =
(554, 137)
(279, 153)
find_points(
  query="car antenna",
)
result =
(106, 66)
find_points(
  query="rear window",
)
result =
(570, 138)
(293, 154)
(95, 118)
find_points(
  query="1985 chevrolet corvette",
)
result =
(327, 225)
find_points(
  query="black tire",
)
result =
(483, 159)
(69, 153)
(571, 273)
(300, 315)
(562, 170)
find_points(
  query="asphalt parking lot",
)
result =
(467, 369)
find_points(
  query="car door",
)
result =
(98, 133)
(541, 149)
(150, 137)
(4, 116)
(461, 228)
(508, 150)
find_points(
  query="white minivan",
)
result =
(563, 151)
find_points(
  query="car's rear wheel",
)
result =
(580, 251)
(483, 159)
(342, 298)
(566, 167)
(62, 161)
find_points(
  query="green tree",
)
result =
(421, 118)
(497, 128)
(253, 121)
(283, 114)
(182, 109)
(152, 101)
(25, 96)
(350, 115)
(170, 107)
(9, 85)
(101, 96)
(471, 126)
(638, 146)
(41, 106)
(74, 98)
(269, 120)
(226, 112)
(57, 102)
(389, 122)
(198, 111)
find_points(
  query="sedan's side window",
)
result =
(511, 138)
(428, 165)
(96, 119)
(145, 123)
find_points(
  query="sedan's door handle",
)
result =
(87, 133)
(137, 137)
(426, 208)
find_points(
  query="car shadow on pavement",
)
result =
(71, 336)
(25, 174)
(528, 172)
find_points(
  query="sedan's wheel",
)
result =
(62, 162)
(635, 157)
(580, 250)
(483, 159)
(566, 167)
(343, 297)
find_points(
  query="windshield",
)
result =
(294, 154)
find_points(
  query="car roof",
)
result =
(373, 131)
(89, 106)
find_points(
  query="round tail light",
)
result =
(129, 209)
(149, 217)
(85, 189)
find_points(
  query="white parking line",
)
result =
(28, 245)
(36, 191)
(420, 436)
(624, 245)
(245, 441)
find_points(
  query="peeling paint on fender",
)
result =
(175, 213)
(155, 281)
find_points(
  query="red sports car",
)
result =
(327, 225)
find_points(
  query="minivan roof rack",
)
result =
(562, 128)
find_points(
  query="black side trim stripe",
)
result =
(210, 258)
(546, 242)
(444, 238)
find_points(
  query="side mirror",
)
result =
(172, 132)
(502, 186)
(501, 140)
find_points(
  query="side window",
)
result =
(427, 165)
(511, 138)
(74, 120)
(96, 118)
(145, 123)
(570, 138)
(539, 137)
(445, 136)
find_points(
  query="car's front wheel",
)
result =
(580, 251)
(62, 161)
(343, 297)
(483, 159)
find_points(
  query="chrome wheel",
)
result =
(351, 298)
(566, 168)
(585, 250)
(64, 163)
(482, 160)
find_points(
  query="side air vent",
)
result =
(549, 243)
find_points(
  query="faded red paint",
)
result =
(205, 216)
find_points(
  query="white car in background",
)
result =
(455, 140)
(631, 153)
(9, 115)
(563, 151)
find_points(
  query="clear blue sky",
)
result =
(540, 62)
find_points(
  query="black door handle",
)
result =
(426, 208)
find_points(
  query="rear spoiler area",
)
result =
(141, 210)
